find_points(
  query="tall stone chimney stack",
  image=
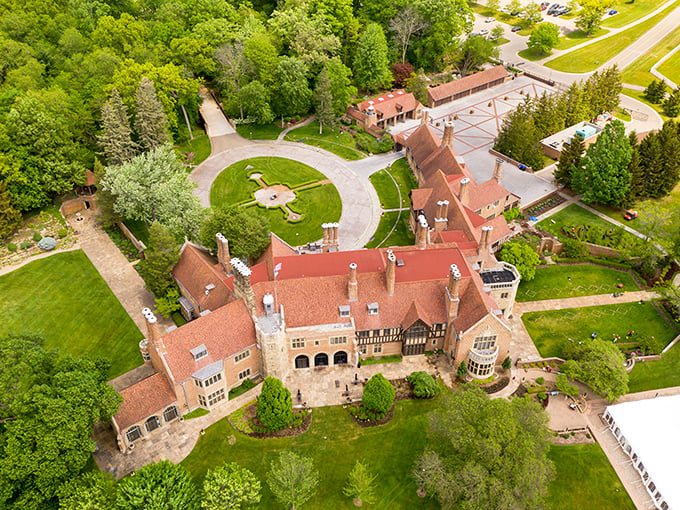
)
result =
(152, 331)
(447, 139)
(336, 242)
(353, 284)
(325, 244)
(242, 286)
(421, 232)
(223, 256)
(485, 242)
(498, 170)
(424, 114)
(390, 271)
(464, 193)
(442, 217)
(452, 289)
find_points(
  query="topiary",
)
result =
(424, 385)
(378, 395)
(507, 363)
(540, 380)
(274, 405)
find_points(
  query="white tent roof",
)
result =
(652, 428)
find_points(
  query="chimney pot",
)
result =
(498, 170)
(464, 193)
(391, 271)
(447, 139)
(352, 285)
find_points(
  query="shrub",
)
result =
(37, 237)
(511, 214)
(507, 363)
(462, 369)
(542, 396)
(378, 395)
(11, 247)
(25, 244)
(424, 385)
(274, 405)
(575, 249)
(63, 232)
(540, 380)
(563, 385)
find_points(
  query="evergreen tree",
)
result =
(649, 152)
(360, 485)
(324, 101)
(160, 257)
(660, 160)
(116, 139)
(576, 104)
(105, 200)
(371, 60)
(605, 87)
(10, 218)
(519, 137)
(672, 104)
(274, 405)
(656, 91)
(637, 185)
(570, 158)
(151, 123)
(603, 175)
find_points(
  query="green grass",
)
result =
(317, 205)
(671, 67)
(594, 55)
(241, 389)
(654, 375)
(395, 358)
(532, 54)
(196, 413)
(332, 140)
(621, 114)
(577, 37)
(334, 442)
(640, 96)
(200, 146)
(64, 299)
(400, 173)
(139, 229)
(233, 185)
(630, 11)
(401, 236)
(500, 41)
(552, 282)
(259, 131)
(571, 215)
(550, 329)
(584, 478)
(638, 72)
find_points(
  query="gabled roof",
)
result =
(415, 313)
(419, 197)
(422, 142)
(143, 399)
(277, 248)
(195, 270)
(446, 160)
(390, 104)
(469, 82)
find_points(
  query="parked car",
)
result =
(483, 31)
(630, 215)
(489, 20)
(612, 12)
(515, 29)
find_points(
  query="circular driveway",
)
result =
(360, 203)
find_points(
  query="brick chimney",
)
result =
(424, 114)
(485, 241)
(447, 139)
(242, 287)
(421, 232)
(498, 170)
(325, 244)
(442, 217)
(464, 193)
(223, 256)
(353, 285)
(390, 271)
(452, 290)
(153, 333)
(336, 241)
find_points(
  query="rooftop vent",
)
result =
(400, 262)
(400, 92)
(390, 95)
(210, 286)
(460, 160)
(204, 313)
(344, 310)
(372, 308)
(268, 302)
(199, 352)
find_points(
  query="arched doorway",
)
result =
(321, 360)
(152, 423)
(302, 361)
(170, 414)
(340, 358)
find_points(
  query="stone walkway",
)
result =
(578, 302)
(282, 134)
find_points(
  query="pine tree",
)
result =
(656, 91)
(672, 104)
(324, 101)
(636, 190)
(371, 60)
(651, 165)
(116, 139)
(570, 158)
(10, 218)
(151, 123)
(669, 139)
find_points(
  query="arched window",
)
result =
(340, 358)
(302, 361)
(133, 433)
(152, 423)
(170, 414)
(321, 360)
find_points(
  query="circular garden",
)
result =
(295, 198)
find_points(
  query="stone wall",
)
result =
(138, 244)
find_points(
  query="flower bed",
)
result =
(544, 205)
(245, 421)
(357, 412)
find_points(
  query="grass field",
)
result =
(401, 236)
(584, 478)
(557, 282)
(388, 193)
(671, 67)
(64, 299)
(334, 442)
(654, 375)
(233, 186)
(638, 72)
(577, 37)
(592, 56)
(639, 95)
(550, 329)
(532, 54)
(259, 131)
(200, 146)
(630, 11)
(332, 140)
(571, 215)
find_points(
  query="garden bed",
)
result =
(496, 386)
(245, 421)
(549, 202)
(371, 423)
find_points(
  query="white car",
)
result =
(489, 20)
(483, 31)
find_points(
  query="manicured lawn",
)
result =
(334, 442)
(233, 185)
(639, 95)
(671, 67)
(594, 55)
(401, 236)
(577, 37)
(584, 478)
(200, 146)
(638, 72)
(631, 11)
(332, 140)
(553, 282)
(549, 330)
(384, 185)
(532, 54)
(259, 131)
(317, 205)
(654, 375)
(500, 41)
(571, 215)
(64, 299)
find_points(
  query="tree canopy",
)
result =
(274, 405)
(600, 365)
(158, 486)
(230, 487)
(292, 479)
(247, 233)
(522, 256)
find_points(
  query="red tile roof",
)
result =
(196, 269)
(224, 332)
(332, 263)
(414, 313)
(469, 82)
(446, 160)
(422, 142)
(143, 399)
(419, 197)
(390, 104)
(277, 248)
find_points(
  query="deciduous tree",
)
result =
(230, 487)
(407, 23)
(93, 490)
(341, 85)
(294, 96)
(160, 257)
(562, 384)
(232, 68)
(248, 233)
(157, 487)
(324, 101)
(544, 38)
(473, 53)
(360, 485)
(417, 85)
(116, 136)
(590, 16)
(371, 62)
(151, 124)
(255, 102)
(10, 218)
(292, 479)
(274, 405)
(522, 256)
(600, 365)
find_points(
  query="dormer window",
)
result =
(372, 308)
(199, 352)
(344, 310)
